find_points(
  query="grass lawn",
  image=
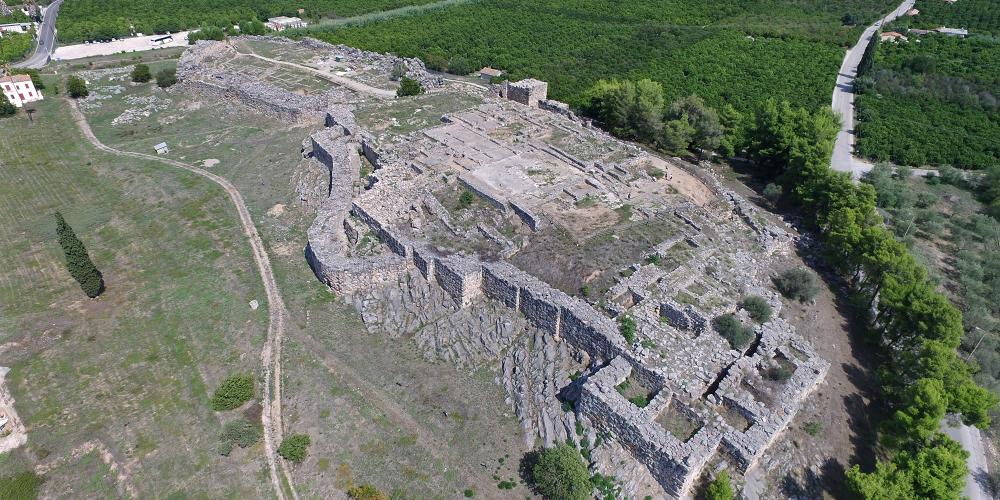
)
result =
(132, 370)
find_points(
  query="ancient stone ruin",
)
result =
(512, 232)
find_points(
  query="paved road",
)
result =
(271, 353)
(976, 485)
(46, 38)
(843, 97)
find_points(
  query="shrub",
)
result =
(459, 65)
(206, 33)
(778, 373)
(253, 27)
(166, 77)
(731, 329)
(720, 488)
(76, 87)
(465, 199)
(469, 493)
(798, 283)
(240, 432)
(408, 86)
(366, 492)
(294, 447)
(23, 485)
(773, 192)
(78, 260)
(561, 474)
(813, 428)
(627, 327)
(757, 307)
(6, 108)
(233, 392)
(141, 74)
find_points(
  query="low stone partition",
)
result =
(486, 192)
(528, 216)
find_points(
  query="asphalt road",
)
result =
(46, 38)
(976, 483)
(843, 97)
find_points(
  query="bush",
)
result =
(21, 486)
(720, 488)
(78, 260)
(773, 192)
(459, 65)
(141, 74)
(798, 283)
(253, 27)
(627, 327)
(561, 474)
(294, 447)
(77, 87)
(469, 493)
(166, 77)
(6, 108)
(465, 199)
(408, 86)
(36, 77)
(366, 492)
(233, 392)
(240, 432)
(813, 428)
(206, 33)
(757, 307)
(731, 329)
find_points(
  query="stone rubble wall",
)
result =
(196, 74)
(676, 465)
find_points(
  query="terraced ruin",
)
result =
(490, 226)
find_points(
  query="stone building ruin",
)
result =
(480, 282)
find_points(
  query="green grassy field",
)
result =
(132, 370)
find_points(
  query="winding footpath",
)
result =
(843, 98)
(270, 355)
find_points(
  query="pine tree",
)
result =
(77, 260)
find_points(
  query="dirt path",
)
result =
(339, 80)
(271, 353)
(122, 478)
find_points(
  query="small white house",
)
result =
(19, 89)
(16, 28)
(282, 23)
(161, 148)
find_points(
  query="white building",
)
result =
(19, 89)
(283, 23)
(16, 28)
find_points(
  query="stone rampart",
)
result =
(460, 277)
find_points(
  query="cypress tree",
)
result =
(77, 260)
